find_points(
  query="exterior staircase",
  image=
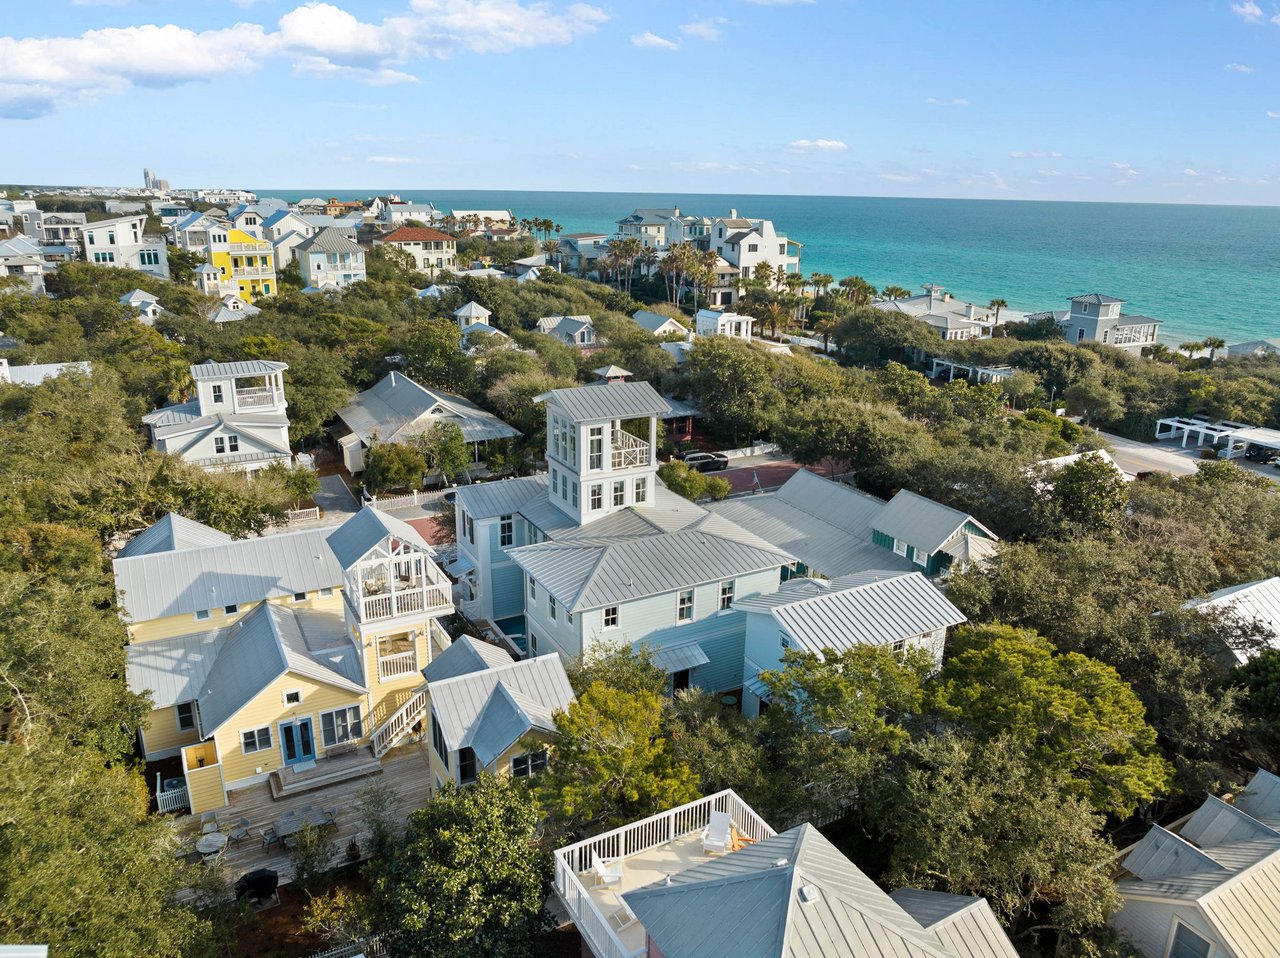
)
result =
(400, 722)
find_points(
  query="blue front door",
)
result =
(297, 741)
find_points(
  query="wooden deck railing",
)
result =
(390, 731)
(634, 839)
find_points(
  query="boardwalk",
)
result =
(406, 769)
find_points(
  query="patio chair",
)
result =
(207, 819)
(715, 837)
(240, 832)
(331, 817)
(208, 828)
(608, 870)
(269, 836)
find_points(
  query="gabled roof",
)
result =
(464, 656)
(965, 925)
(396, 407)
(415, 234)
(488, 709)
(353, 540)
(329, 240)
(653, 321)
(173, 533)
(547, 324)
(268, 642)
(871, 608)
(590, 571)
(208, 369)
(1257, 602)
(472, 310)
(923, 523)
(600, 400)
(138, 297)
(790, 896)
(484, 500)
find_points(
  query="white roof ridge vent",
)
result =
(780, 863)
(809, 894)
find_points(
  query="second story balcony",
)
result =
(630, 451)
(411, 586)
(253, 272)
(258, 397)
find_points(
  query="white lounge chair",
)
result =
(715, 837)
(608, 870)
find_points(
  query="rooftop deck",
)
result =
(407, 769)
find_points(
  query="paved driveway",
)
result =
(336, 499)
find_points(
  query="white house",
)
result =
(237, 422)
(330, 258)
(192, 230)
(748, 242)
(571, 330)
(397, 214)
(23, 258)
(895, 610)
(121, 243)
(470, 313)
(146, 304)
(431, 249)
(713, 322)
(1098, 318)
(1208, 887)
(657, 324)
(1255, 602)
(954, 319)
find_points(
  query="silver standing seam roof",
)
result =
(825, 524)
(791, 896)
(329, 240)
(601, 400)
(250, 367)
(964, 924)
(492, 704)
(352, 540)
(923, 523)
(396, 407)
(1257, 602)
(872, 608)
(171, 534)
(244, 570)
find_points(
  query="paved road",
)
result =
(1134, 457)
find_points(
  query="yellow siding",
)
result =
(160, 731)
(389, 695)
(174, 626)
(204, 789)
(502, 765)
(268, 708)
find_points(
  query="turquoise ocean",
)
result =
(1204, 270)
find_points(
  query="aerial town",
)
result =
(388, 580)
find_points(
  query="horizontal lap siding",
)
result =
(507, 592)
(160, 731)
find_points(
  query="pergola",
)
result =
(1237, 436)
(972, 371)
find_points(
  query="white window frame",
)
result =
(284, 696)
(533, 588)
(619, 493)
(346, 711)
(257, 734)
(326, 591)
(506, 531)
(299, 597)
(728, 590)
(231, 609)
(920, 558)
(177, 712)
(1173, 932)
(606, 616)
(202, 614)
(529, 760)
(899, 547)
(217, 392)
(642, 489)
(784, 641)
(681, 619)
(597, 496)
(551, 607)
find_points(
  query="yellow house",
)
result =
(267, 658)
(246, 265)
(486, 710)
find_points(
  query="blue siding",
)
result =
(507, 588)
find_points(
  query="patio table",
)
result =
(290, 824)
(211, 844)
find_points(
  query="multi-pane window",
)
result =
(186, 716)
(551, 606)
(726, 594)
(523, 766)
(217, 392)
(233, 443)
(575, 495)
(620, 493)
(341, 725)
(611, 617)
(149, 257)
(506, 531)
(1187, 944)
(784, 641)
(597, 496)
(642, 489)
(595, 448)
(437, 741)
(219, 445)
(533, 588)
(255, 740)
(684, 606)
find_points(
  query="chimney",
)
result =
(733, 214)
(969, 310)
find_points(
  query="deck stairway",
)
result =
(401, 722)
(356, 763)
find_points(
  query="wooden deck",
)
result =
(407, 769)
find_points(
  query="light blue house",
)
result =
(597, 552)
(895, 610)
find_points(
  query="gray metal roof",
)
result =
(249, 367)
(826, 525)
(173, 670)
(965, 925)
(464, 656)
(921, 522)
(677, 658)
(875, 608)
(244, 570)
(261, 647)
(601, 401)
(792, 895)
(352, 540)
(484, 500)
(36, 373)
(489, 709)
(1257, 602)
(329, 240)
(170, 534)
(1095, 299)
(472, 310)
(652, 321)
(592, 572)
(397, 408)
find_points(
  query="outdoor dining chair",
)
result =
(240, 832)
(269, 836)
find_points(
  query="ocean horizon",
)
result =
(1204, 270)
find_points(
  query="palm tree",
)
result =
(815, 280)
(1190, 348)
(997, 305)
(551, 248)
(649, 259)
(780, 276)
(1213, 344)
(773, 313)
(557, 229)
(826, 326)
(895, 292)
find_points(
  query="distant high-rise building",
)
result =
(151, 181)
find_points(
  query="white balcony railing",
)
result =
(390, 605)
(629, 451)
(634, 839)
(394, 666)
(400, 721)
(257, 397)
(253, 272)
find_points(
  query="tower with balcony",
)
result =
(602, 446)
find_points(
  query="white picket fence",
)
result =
(369, 948)
(299, 515)
(172, 800)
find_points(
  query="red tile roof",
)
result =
(414, 234)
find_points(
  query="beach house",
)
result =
(712, 879)
(431, 249)
(329, 259)
(954, 319)
(245, 264)
(713, 322)
(291, 659)
(577, 331)
(121, 243)
(1098, 319)
(657, 324)
(238, 420)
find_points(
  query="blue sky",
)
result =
(1174, 101)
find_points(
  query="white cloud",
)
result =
(37, 74)
(1247, 10)
(1049, 172)
(708, 29)
(935, 101)
(817, 146)
(648, 39)
(1239, 68)
(1190, 172)
(1035, 154)
(998, 182)
(1125, 168)
(1274, 114)
(394, 160)
(899, 177)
